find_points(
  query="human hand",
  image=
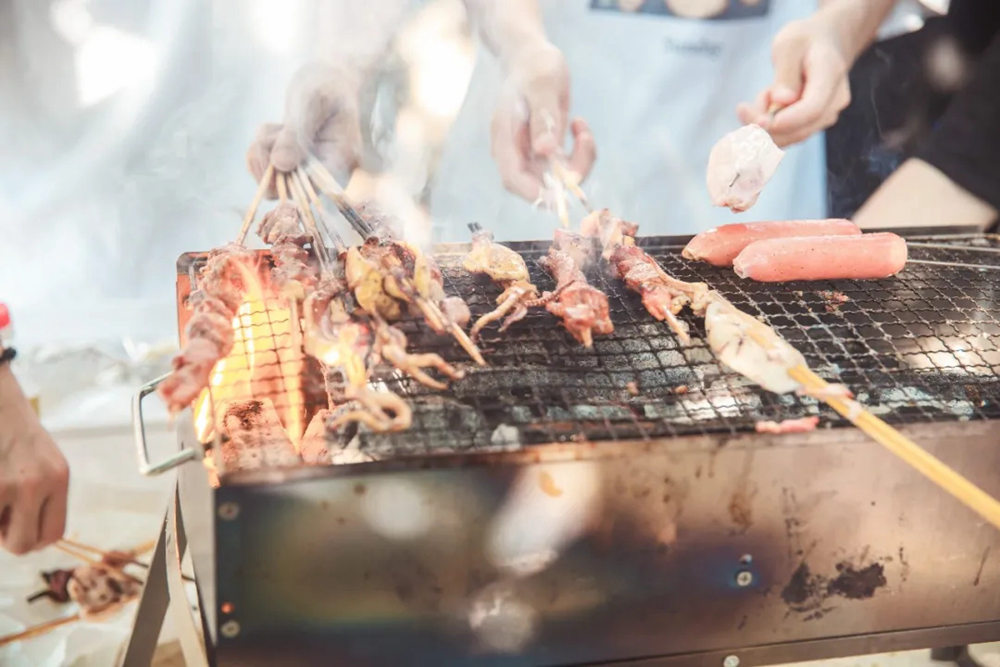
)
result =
(810, 84)
(321, 117)
(530, 122)
(34, 476)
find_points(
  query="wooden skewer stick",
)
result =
(282, 188)
(70, 551)
(324, 216)
(302, 201)
(905, 449)
(145, 546)
(39, 629)
(265, 182)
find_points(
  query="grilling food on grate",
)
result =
(219, 293)
(662, 295)
(801, 425)
(719, 246)
(385, 274)
(506, 267)
(380, 411)
(256, 438)
(582, 308)
(740, 165)
(390, 345)
(728, 332)
(869, 256)
(294, 272)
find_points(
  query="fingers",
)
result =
(825, 94)
(22, 532)
(542, 78)
(581, 160)
(287, 153)
(52, 522)
(510, 147)
(788, 55)
(756, 111)
(259, 153)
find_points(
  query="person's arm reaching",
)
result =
(33, 474)
(812, 58)
(531, 118)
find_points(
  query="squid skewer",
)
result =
(508, 269)
(582, 307)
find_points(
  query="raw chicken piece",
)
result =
(740, 165)
(801, 425)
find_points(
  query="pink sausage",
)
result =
(822, 258)
(719, 246)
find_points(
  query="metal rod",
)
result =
(326, 182)
(961, 265)
(948, 246)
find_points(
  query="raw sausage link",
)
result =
(719, 246)
(863, 257)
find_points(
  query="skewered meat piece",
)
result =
(385, 273)
(662, 295)
(582, 308)
(294, 272)
(100, 589)
(391, 346)
(506, 267)
(256, 438)
(863, 257)
(719, 246)
(380, 411)
(801, 425)
(740, 165)
(209, 332)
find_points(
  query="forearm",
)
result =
(919, 195)
(856, 22)
(508, 27)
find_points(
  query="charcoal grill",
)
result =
(698, 539)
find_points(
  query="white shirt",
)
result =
(658, 91)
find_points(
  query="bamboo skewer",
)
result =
(39, 629)
(306, 182)
(282, 188)
(302, 201)
(944, 477)
(265, 182)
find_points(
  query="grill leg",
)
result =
(958, 655)
(152, 608)
(164, 589)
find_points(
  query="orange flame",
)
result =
(266, 362)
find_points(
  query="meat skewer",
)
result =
(221, 285)
(719, 246)
(508, 269)
(662, 295)
(582, 308)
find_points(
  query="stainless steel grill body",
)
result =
(704, 539)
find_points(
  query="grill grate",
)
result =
(924, 346)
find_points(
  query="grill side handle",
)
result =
(139, 436)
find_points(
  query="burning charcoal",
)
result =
(256, 438)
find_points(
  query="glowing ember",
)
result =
(265, 362)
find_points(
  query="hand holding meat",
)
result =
(812, 58)
(321, 117)
(33, 475)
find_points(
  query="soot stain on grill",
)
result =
(247, 412)
(857, 584)
(807, 591)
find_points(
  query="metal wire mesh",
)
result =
(923, 346)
